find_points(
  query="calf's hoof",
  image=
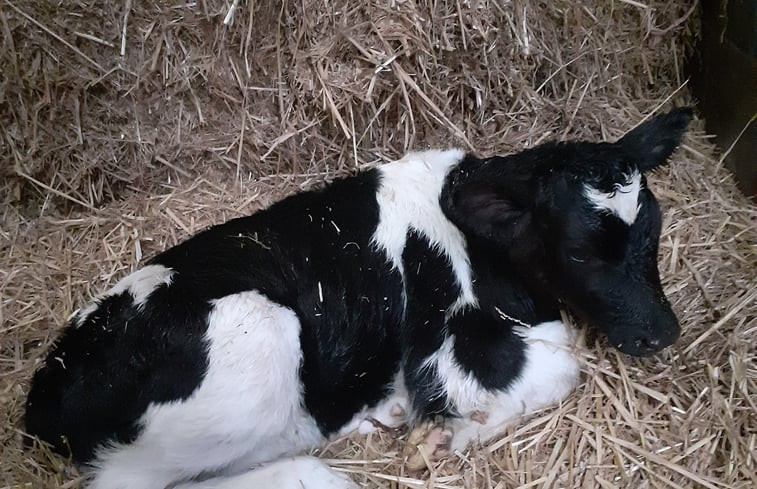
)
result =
(431, 441)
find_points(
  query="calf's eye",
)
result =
(582, 257)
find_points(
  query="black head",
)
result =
(577, 220)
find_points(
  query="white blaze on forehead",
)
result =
(623, 201)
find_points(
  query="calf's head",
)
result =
(577, 220)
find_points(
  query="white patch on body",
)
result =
(408, 199)
(247, 409)
(623, 201)
(550, 374)
(139, 284)
(295, 473)
(463, 391)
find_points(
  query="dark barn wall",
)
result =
(724, 79)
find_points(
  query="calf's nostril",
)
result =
(647, 344)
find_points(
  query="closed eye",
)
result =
(583, 257)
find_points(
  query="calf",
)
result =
(424, 289)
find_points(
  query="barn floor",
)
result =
(110, 157)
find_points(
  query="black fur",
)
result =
(312, 253)
(432, 288)
(118, 362)
(100, 377)
(485, 342)
(531, 206)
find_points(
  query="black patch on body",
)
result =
(99, 378)
(431, 289)
(486, 343)
(506, 263)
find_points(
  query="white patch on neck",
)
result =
(623, 201)
(408, 199)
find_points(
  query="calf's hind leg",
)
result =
(247, 410)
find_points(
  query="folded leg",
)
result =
(550, 372)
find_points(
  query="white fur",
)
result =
(550, 374)
(247, 410)
(623, 201)
(139, 284)
(408, 199)
(464, 393)
(296, 473)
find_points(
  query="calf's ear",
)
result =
(651, 144)
(487, 210)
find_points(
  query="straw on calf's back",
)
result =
(407, 286)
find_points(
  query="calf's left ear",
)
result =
(486, 209)
(651, 144)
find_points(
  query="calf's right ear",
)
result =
(651, 144)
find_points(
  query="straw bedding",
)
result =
(127, 126)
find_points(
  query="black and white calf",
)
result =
(422, 289)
